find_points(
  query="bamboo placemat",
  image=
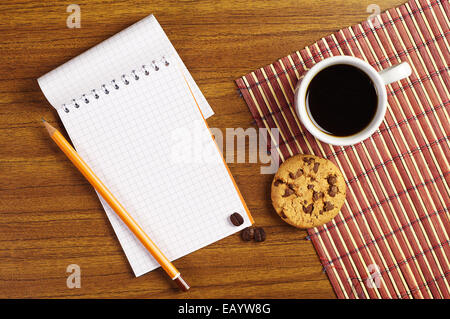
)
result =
(396, 214)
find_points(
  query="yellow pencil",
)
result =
(81, 165)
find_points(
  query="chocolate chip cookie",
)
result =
(308, 191)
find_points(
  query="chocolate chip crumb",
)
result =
(316, 196)
(332, 179)
(308, 160)
(305, 202)
(316, 167)
(328, 206)
(282, 214)
(291, 175)
(308, 209)
(333, 190)
(299, 173)
(288, 192)
(236, 219)
(278, 182)
(310, 186)
(260, 234)
(247, 234)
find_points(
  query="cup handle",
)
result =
(395, 73)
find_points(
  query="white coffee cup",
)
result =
(379, 79)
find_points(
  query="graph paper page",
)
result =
(147, 141)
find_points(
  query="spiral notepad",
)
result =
(134, 114)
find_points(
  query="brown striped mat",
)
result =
(394, 227)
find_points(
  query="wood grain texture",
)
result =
(51, 217)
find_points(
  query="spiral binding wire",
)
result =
(125, 79)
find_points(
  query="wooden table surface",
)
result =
(51, 217)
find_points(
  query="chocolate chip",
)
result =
(247, 234)
(333, 190)
(236, 219)
(260, 234)
(288, 192)
(299, 173)
(308, 160)
(316, 167)
(308, 209)
(291, 175)
(310, 186)
(328, 206)
(332, 179)
(282, 214)
(278, 182)
(316, 196)
(320, 212)
(312, 178)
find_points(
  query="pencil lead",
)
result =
(43, 120)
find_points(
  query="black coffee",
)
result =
(342, 100)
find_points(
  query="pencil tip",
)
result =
(49, 128)
(183, 285)
(43, 120)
